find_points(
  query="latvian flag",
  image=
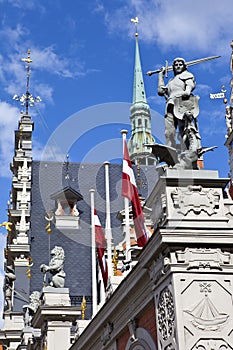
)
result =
(130, 191)
(101, 245)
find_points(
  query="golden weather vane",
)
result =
(135, 21)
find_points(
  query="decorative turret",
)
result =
(18, 244)
(140, 116)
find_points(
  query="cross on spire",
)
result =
(27, 99)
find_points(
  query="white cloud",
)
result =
(28, 5)
(8, 122)
(203, 26)
(13, 35)
(46, 59)
(45, 91)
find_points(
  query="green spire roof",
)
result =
(139, 94)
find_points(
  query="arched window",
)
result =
(143, 341)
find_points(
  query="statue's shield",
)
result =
(182, 105)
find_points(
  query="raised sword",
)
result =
(190, 63)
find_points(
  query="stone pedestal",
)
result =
(55, 318)
(192, 273)
(10, 334)
(81, 325)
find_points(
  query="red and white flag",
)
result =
(101, 246)
(130, 191)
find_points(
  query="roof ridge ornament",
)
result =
(27, 99)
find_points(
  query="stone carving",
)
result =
(55, 267)
(166, 313)
(212, 344)
(205, 315)
(8, 287)
(30, 309)
(132, 325)
(181, 111)
(198, 258)
(195, 198)
(179, 87)
(106, 336)
(158, 268)
(182, 108)
(169, 347)
(228, 119)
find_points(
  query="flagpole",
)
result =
(126, 203)
(108, 230)
(93, 255)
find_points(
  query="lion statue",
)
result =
(55, 267)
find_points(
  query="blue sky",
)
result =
(83, 55)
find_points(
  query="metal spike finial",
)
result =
(67, 175)
(27, 99)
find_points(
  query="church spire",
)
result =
(139, 94)
(140, 114)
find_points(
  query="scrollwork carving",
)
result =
(195, 198)
(166, 313)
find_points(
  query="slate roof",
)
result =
(49, 178)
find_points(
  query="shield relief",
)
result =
(182, 105)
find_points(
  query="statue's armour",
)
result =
(176, 86)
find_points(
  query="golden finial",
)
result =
(83, 307)
(28, 272)
(223, 90)
(115, 261)
(135, 21)
(49, 218)
(30, 264)
(7, 224)
(28, 59)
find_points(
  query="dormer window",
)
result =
(66, 211)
